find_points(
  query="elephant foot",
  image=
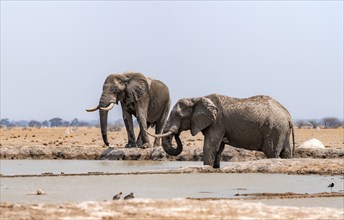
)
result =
(145, 145)
(130, 145)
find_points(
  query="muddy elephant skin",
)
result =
(145, 98)
(256, 123)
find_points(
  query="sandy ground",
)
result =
(164, 209)
(86, 143)
(91, 137)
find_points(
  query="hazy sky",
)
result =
(55, 55)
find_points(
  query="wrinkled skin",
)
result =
(256, 123)
(146, 99)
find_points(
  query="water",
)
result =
(23, 167)
(155, 186)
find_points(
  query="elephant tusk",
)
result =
(92, 109)
(108, 108)
(161, 135)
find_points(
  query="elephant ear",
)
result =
(204, 114)
(137, 86)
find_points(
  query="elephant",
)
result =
(145, 98)
(256, 123)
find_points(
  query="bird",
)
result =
(40, 192)
(117, 196)
(130, 196)
(331, 185)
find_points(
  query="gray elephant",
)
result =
(256, 123)
(145, 98)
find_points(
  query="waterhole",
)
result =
(79, 188)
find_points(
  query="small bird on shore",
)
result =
(331, 186)
(117, 196)
(130, 196)
(38, 192)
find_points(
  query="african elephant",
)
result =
(145, 98)
(256, 123)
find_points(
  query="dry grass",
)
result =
(50, 137)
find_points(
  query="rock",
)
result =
(312, 143)
(158, 154)
(115, 155)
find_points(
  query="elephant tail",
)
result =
(293, 136)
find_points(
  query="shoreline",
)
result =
(296, 166)
(154, 153)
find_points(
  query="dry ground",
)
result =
(164, 209)
(91, 137)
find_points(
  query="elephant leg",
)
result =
(128, 121)
(139, 140)
(287, 150)
(160, 124)
(143, 134)
(211, 148)
(218, 155)
(158, 130)
(273, 145)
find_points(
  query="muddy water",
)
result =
(156, 186)
(164, 186)
(22, 167)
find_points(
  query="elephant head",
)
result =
(194, 114)
(126, 88)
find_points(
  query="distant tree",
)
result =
(65, 124)
(75, 122)
(116, 126)
(55, 122)
(45, 124)
(21, 123)
(5, 122)
(34, 123)
(301, 123)
(314, 123)
(331, 122)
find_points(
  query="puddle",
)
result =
(61, 189)
(164, 186)
(23, 167)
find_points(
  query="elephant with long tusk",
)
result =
(256, 123)
(145, 98)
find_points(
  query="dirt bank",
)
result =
(164, 209)
(192, 153)
(86, 144)
(286, 166)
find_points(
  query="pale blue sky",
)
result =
(55, 55)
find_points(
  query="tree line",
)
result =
(56, 122)
(327, 122)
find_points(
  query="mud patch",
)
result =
(288, 195)
(164, 209)
(189, 154)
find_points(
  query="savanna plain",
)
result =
(82, 143)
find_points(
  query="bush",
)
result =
(115, 127)
(314, 123)
(331, 122)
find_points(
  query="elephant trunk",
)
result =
(167, 145)
(103, 115)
